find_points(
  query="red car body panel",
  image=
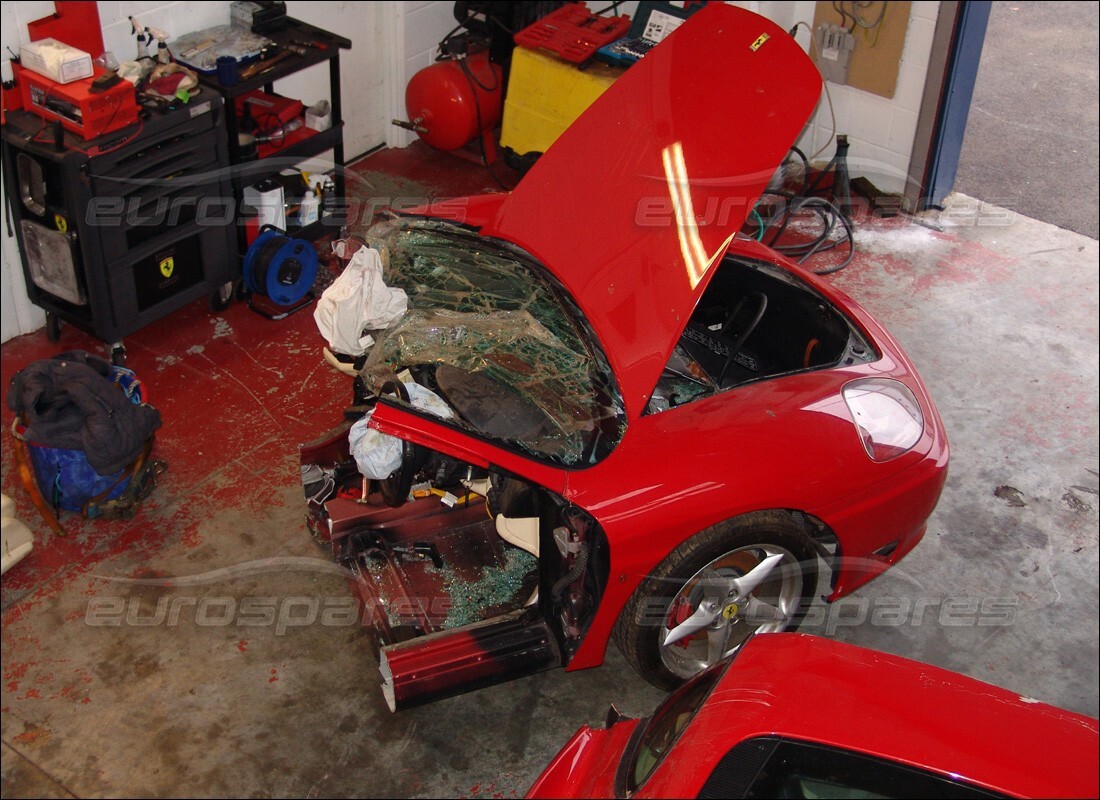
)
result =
(474, 211)
(585, 767)
(816, 690)
(678, 133)
(702, 120)
(680, 471)
(396, 421)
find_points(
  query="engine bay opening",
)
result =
(516, 358)
(754, 322)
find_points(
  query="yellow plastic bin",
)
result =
(545, 95)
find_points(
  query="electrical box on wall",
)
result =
(833, 47)
(860, 43)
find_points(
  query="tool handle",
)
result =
(253, 70)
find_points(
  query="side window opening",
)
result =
(771, 766)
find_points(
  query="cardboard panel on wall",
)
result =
(876, 58)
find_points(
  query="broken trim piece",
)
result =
(452, 662)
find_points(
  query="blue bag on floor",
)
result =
(65, 477)
(87, 433)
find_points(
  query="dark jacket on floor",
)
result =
(71, 402)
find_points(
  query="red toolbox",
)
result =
(573, 32)
(268, 110)
(83, 112)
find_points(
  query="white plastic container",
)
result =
(319, 116)
(56, 60)
(310, 209)
(267, 198)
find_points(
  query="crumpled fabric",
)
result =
(168, 79)
(71, 402)
(358, 301)
(378, 454)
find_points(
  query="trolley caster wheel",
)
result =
(53, 327)
(118, 355)
(221, 297)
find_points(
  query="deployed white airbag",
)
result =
(378, 454)
(358, 301)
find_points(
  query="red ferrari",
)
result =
(877, 726)
(607, 414)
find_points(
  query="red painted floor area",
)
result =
(453, 174)
(237, 394)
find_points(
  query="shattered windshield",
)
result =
(498, 339)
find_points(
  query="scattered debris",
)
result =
(494, 587)
(1011, 495)
(1075, 503)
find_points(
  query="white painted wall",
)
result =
(17, 314)
(415, 29)
(361, 69)
(880, 131)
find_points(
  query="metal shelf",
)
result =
(301, 146)
(246, 172)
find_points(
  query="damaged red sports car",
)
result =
(607, 414)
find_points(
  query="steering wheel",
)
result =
(735, 348)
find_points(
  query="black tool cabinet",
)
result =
(117, 232)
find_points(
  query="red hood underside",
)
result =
(634, 204)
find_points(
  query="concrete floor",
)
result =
(1033, 134)
(201, 649)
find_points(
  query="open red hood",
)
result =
(639, 198)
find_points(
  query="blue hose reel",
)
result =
(280, 268)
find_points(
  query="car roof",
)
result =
(820, 690)
(633, 206)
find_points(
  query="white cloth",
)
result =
(358, 301)
(378, 454)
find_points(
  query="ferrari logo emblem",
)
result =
(756, 45)
(60, 223)
(167, 265)
(730, 611)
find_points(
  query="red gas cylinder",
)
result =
(454, 101)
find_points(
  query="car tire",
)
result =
(698, 573)
(53, 327)
(222, 297)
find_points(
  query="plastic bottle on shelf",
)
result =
(309, 210)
